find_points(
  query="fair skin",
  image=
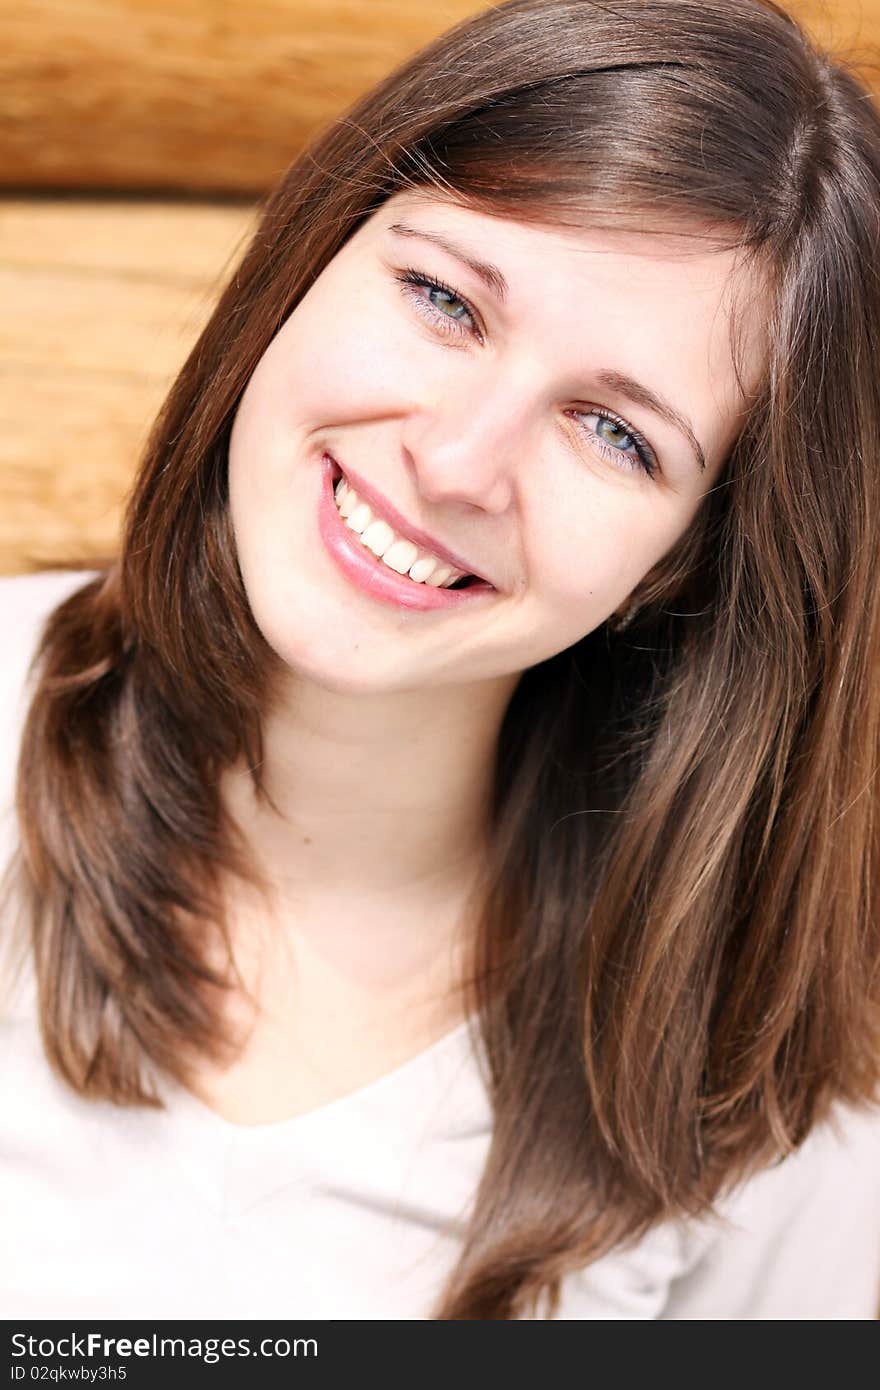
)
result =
(380, 754)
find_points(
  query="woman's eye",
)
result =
(617, 441)
(447, 301)
(441, 305)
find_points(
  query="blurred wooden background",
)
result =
(136, 137)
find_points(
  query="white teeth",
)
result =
(421, 569)
(345, 498)
(442, 576)
(360, 518)
(377, 537)
(401, 555)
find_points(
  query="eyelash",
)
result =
(410, 278)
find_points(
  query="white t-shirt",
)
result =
(355, 1209)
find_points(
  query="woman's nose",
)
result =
(468, 446)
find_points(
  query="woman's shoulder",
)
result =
(799, 1239)
(26, 601)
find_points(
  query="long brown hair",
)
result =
(675, 970)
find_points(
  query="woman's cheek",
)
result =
(587, 571)
(342, 343)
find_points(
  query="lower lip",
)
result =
(368, 573)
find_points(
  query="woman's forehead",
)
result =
(642, 234)
(706, 255)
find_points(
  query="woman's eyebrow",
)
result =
(624, 385)
(488, 273)
(640, 394)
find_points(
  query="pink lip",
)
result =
(367, 572)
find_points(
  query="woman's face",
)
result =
(505, 426)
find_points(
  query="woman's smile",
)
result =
(382, 564)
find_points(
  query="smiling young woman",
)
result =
(446, 836)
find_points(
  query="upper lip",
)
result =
(404, 528)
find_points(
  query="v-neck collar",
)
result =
(439, 1093)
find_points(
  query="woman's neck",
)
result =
(382, 799)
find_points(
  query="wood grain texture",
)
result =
(189, 94)
(103, 302)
